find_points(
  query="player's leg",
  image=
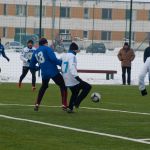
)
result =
(149, 77)
(33, 79)
(41, 93)
(74, 94)
(129, 75)
(85, 89)
(24, 73)
(123, 75)
(58, 79)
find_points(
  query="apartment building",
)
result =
(93, 20)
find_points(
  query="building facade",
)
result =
(100, 21)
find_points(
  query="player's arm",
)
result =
(4, 55)
(22, 56)
(119, 56)
(142, 76)
(73, 69)
(132, 55)
(53, 57)
(145, 55)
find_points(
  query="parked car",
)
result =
(96, 48)
(16, 46)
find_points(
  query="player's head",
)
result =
(30, 43)
(74, 47)
(126, 45)
(43, 41)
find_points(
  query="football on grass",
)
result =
(95, 97)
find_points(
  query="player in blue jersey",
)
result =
(26, 56)
(48, 65)
(2, 52)
(79, 88)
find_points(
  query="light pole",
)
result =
(40, 23)
(130, 29)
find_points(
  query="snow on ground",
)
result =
(11, 71)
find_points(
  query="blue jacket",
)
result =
(47, 61)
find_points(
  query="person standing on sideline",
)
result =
(144, 71)
(146, 55)
(48, 62)
(78, 87)
(126, 56)
(26, 56)
(2, 52)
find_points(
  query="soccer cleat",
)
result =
(36, 107)
(19, 85)
(33, 88)
(64, 108)
(70, 111)
(76, 106)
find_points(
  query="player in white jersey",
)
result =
(26, 56)
(144, 71)
(78, 87)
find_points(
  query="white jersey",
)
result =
(69, 69)
(27, 55)
(144, 71)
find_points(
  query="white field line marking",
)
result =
(148, 139)
(75, 129)
(89, 108)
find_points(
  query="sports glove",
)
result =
(28, 61)
(144, 92)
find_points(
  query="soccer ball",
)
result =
(95, 97)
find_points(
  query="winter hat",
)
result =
(74, 46)
(42, 41)
(126, 43)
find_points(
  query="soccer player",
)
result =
(144, 71)
(48, 65)
(26, 56)
(146, 55)
(78, 87)
(2, 51)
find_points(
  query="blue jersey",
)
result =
(47, 61)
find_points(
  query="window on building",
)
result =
(21, 10)
(128, 14)
(64, 31)
(86, 13)
(20, 30)
(5, 9)
(106, 14)
(127, 36)
(85, 34)
(106, 35)
(36, 31)
(37, 11)
(65, 12)
(4, 32)
(149, 15)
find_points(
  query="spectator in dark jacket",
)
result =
(146, 55)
